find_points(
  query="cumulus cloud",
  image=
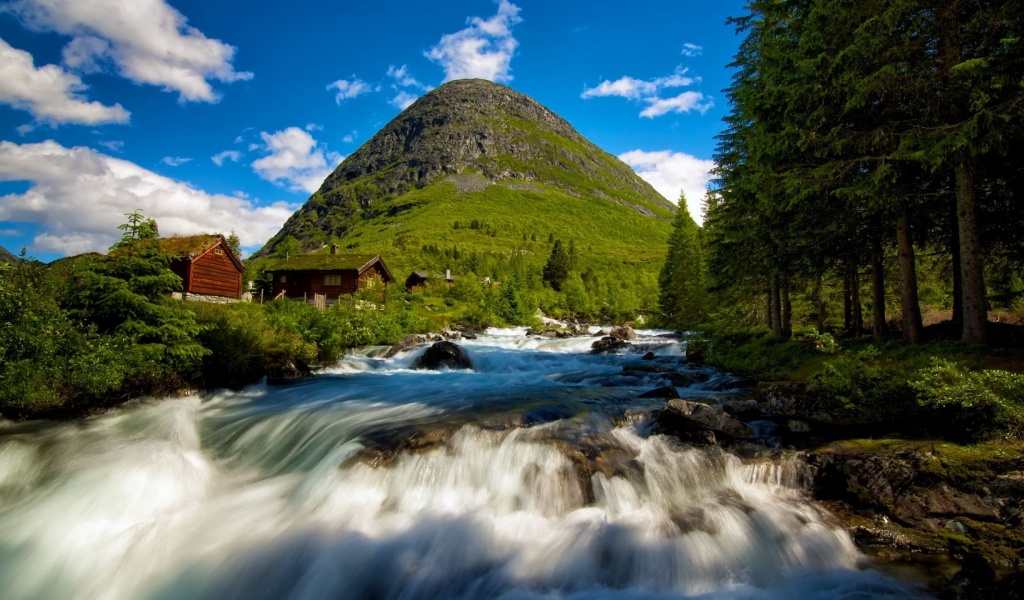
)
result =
(690, 49)
(147, 41)
(51, 94)
(78, 196)
(174, 161)
(407, 88)
(232, 155)
(672, 173)
(650, 92)
(483, 50)
(112, 145)
(683, 103)
(348, 89)
(294, 159)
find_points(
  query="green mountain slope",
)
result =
(474, 171)
(7, 257)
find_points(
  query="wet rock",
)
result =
(607, 345)
(622, 332)
(444, 354)
(742, 408)
(647, 367)
(666, 391)
(796, 426)
(451, 334)
(687, 417)
(411, 341)
(285, 372)
(686, 378)
(806, 402)
(648, 356)
(733, 384)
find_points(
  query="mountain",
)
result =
(7, 257)
(474, 166)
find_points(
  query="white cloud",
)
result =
(79, 196)
(232, 155)
(673, 172)
(649, 91)
(691, 49)
(174, 161)
(149, 42)
(294, 159)
(49, 92)
(635, 89)
(685, 102)
(402, 84)
(349, 89)
(112, 145)
(483, 50)
(351, 137)
(403, 100)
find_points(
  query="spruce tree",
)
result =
(558, 266)
(683, 294)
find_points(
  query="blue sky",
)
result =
(219, 116)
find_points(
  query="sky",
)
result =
(218, 116)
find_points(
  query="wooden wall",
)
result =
(216, 275)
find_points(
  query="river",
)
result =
(533, 476)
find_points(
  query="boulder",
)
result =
(607, 345)
(444, 354)
(285, 372)
(742, 408)
(411, 341)
(687, 417)
(648, 356)
(686, 378)
(622, 332)
(666, 391)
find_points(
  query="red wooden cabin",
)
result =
(206, 264)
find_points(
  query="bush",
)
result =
(981, 403)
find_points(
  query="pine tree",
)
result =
(683, 294)
(558, 266)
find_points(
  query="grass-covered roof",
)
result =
(324, 262)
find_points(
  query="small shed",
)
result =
(416, 280)
(208, 268)
(331, 275)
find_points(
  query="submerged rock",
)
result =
(665, 391)
(444, 354)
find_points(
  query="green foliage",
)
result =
(557, 268)
(981, 402)
(683, 297)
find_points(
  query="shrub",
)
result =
(981, 403)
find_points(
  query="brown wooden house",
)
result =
(207, 266)
(326, 274)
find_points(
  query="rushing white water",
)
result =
(376, 481)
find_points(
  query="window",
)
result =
(282, 280)
(218, 252)
(332, 279)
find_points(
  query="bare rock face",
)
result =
(444, 355)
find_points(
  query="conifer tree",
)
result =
(683, 294)
(558, 266)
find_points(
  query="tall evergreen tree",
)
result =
(683, 297)
(558, 266)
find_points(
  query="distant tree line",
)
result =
(863, 131)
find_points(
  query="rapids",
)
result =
(533, 476)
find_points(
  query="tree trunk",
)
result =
(858, 313)
(776, 306)
(879, 328)
(911, 309)
(768, 315)
(972, 276)
(847, 301)
(958, 288)
(820, 306)
(787, 313)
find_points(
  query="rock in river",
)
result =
(686, 417)
(444, 354)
